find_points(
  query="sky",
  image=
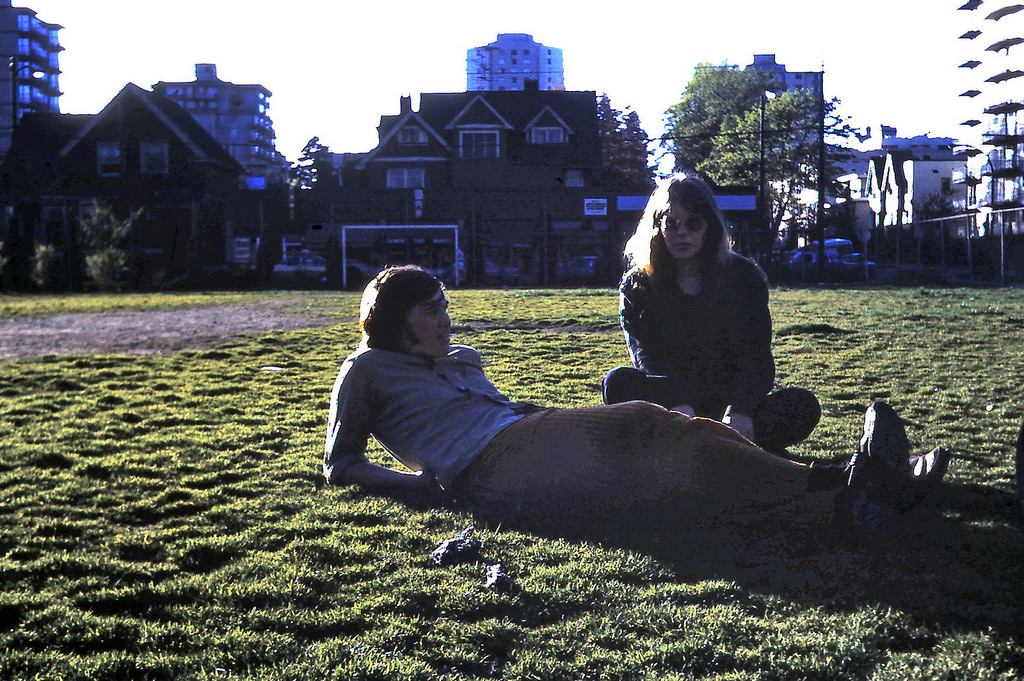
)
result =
(336, 66)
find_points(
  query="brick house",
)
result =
(140, 151)
(518, 172)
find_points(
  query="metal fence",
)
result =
(985, 247)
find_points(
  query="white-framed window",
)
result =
(478, 144)
(547, 135)
(153, 158)
(109, 162)
(406, 178)
(412, 134)
(573, 178)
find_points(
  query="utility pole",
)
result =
(821, 175)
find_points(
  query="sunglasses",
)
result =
(694, 223)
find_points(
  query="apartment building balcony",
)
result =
(1003, 168)
(1005, 139)
(1008, 107)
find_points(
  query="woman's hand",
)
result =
(741, 423)
(685, 409)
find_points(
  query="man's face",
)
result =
(428, 328)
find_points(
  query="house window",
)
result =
(412, 134)
(478, 144)
(543, 135)
(153, 158)
(573, 178)
(108, 159)
(406, 178)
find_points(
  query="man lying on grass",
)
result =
(430, 405)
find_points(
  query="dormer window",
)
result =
(478, 144)
(412, 134)
(547, 135)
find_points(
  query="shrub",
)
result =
(44, 265)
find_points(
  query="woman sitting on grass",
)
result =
(430, 405)
(697, 323)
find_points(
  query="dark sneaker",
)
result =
(879, 472)
(931, 467)
(927, 472)
(883, 453)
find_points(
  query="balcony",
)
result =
(1005, 108)
(1003, 168)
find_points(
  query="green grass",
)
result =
(161, 517)
(34, 305)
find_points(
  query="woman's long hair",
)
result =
(645, 249)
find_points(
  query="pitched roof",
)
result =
(506, 109)
(177, 120)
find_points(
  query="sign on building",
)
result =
(595, 206)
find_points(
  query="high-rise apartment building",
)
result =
(512, 62)
(235, 115)
(992, 90)
(30, 72)
(784, 80)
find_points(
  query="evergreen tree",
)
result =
(314, 164)
(624, 152)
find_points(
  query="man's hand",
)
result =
(417, 488)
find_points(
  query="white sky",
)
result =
(335, 66)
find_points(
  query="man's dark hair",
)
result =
(387, 299)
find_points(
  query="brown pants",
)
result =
(631, 460)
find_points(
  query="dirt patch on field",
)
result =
(144, 332)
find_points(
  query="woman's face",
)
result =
(428, 328)
(683, 232)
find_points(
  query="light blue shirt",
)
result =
(434, 415)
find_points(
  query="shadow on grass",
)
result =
(954, 562)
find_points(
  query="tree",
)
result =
(105, 234)
(315, 163)
(717, 129)
(715, 96)
(624, 151)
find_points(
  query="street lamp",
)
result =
(17, 68)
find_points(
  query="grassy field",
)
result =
(161, 517)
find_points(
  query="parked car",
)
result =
(304, 262)
(802, 265)
(581, 269)
(497, 273)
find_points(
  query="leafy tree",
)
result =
(715, 96)
(314, 164)
(105, 234)
(624, 152)
(717, 130)
(938, 204)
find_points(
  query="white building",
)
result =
(512, 61)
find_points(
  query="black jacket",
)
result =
(716, 345)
